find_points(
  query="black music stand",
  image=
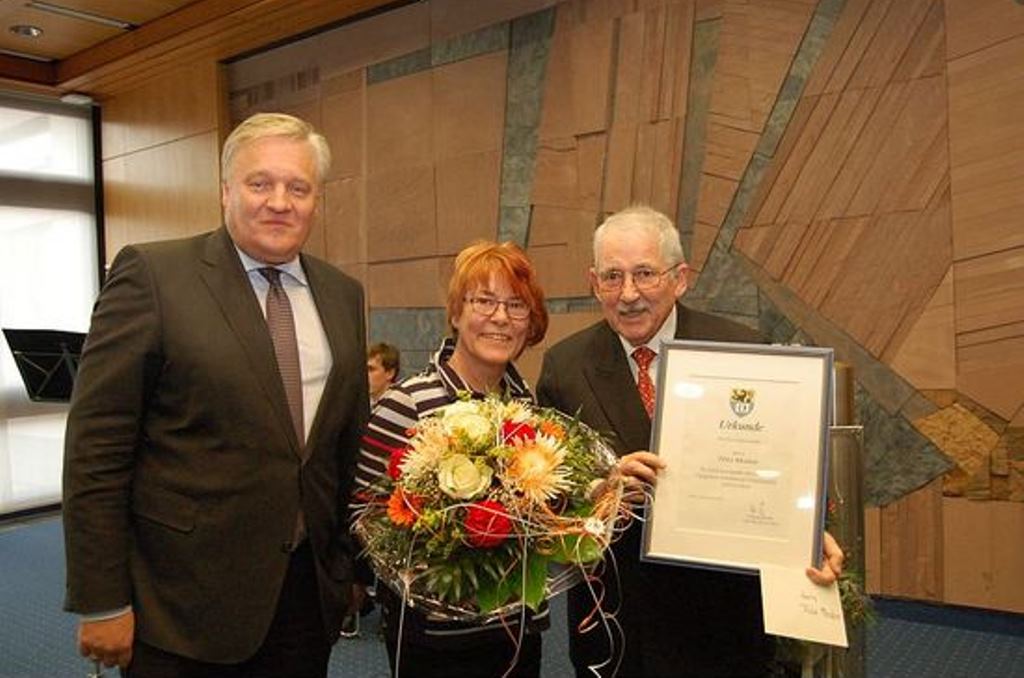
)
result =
(47, 360)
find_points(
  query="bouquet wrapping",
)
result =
(493, 505)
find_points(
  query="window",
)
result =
(49, 277)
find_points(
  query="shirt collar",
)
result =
(512, 383)
(293, 268)
(667, 332)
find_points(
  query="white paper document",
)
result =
(796, 607)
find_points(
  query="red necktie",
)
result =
(644, 357)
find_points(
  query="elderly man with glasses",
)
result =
(663, 620)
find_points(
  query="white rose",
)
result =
(464, 417)
(460, 478)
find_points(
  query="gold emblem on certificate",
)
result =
(742, 401)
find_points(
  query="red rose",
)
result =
(487, 524)
(397, 457)
(511, 430)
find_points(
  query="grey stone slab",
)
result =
(535, 28)
(521, 139)
(898, 459)
(516, 180)
(773, 324)
(745, 194)
(698, 102)
(494, 38)
(528, 59)
(409, 329)
(742, 306)
(815, 38)
(514, 225)
(414, 362)
(572, 304)
(723, 276)
(407, 64)
(918, 406)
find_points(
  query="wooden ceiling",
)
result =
(85, 54)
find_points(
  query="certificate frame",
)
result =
(744, 431)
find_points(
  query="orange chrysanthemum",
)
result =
(403, 509)
(552, 429)
(535, 468)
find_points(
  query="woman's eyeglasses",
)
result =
(517, 309)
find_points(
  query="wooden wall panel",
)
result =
(469, 106)
(415, 283)
(927, 358)
(982, 554)
(343, 123)
(986, 142)
(399, 123)
(168, 191)
(181, 103)
(466, 199)
(872, 549)
(449, 18)
(912, 547)
(975, 25)
(343, 207)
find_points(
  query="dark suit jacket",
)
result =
(677, 621)
(182, 478)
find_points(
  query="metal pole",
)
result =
(846, 502)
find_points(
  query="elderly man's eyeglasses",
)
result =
(644, 278)
(517, 309)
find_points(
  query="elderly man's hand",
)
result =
(108, 640)
(639, 471)
(832, 566)
(642, 466)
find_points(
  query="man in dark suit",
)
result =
(213, 427)
(675, 621)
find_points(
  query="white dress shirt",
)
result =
(314, 350)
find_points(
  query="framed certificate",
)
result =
(743, 429)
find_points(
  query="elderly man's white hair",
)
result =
(643, 218)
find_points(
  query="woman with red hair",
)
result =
(495, 309)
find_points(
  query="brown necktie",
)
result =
(286, 347)
(644, 357)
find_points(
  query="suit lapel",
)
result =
(229, 285)
(612, 384)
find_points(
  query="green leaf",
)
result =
(510, 586)
(469, 570)
(487, 595)
(536, 577)
(575, 549)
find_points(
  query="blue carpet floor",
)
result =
(909, 640)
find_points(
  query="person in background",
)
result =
(212, 434)
(675, 621)
(495, 309)
(383, 363)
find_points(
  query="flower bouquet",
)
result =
(490, 507)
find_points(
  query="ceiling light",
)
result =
(78, 14)
(26, 31)
(77, 99)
